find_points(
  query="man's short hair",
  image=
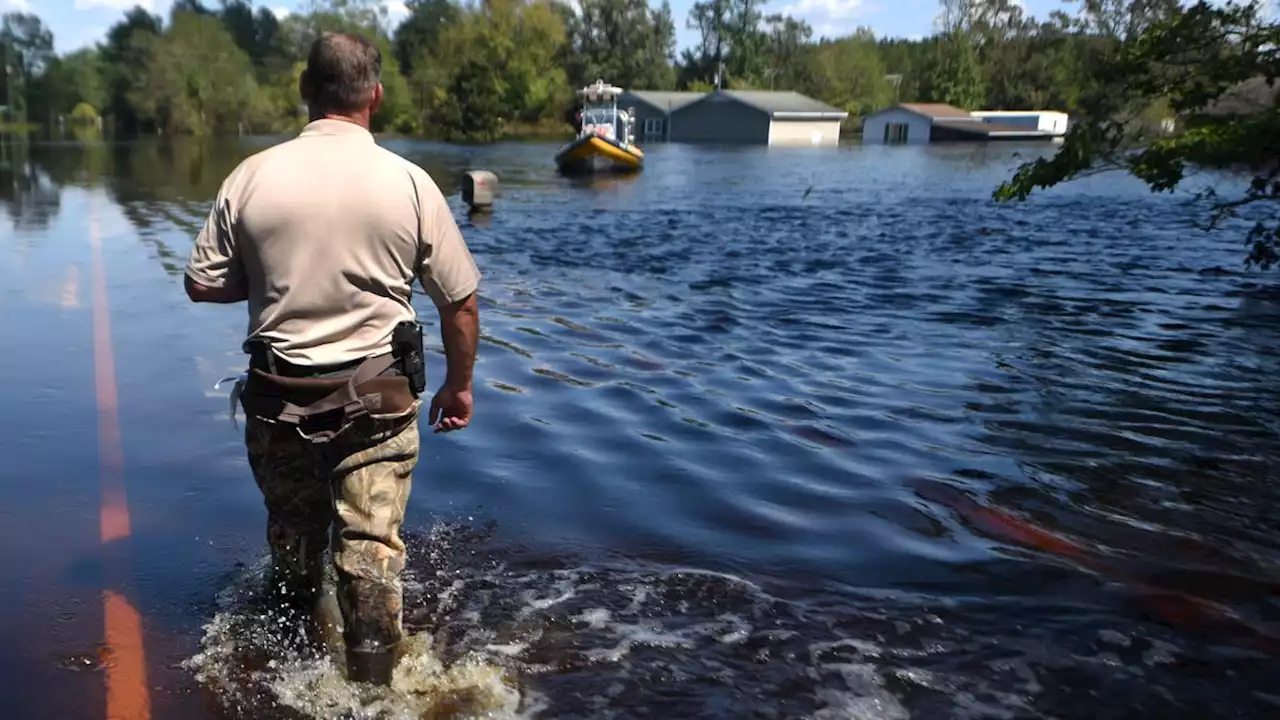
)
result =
(342, 71)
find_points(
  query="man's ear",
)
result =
(377, 99)
(304, 87)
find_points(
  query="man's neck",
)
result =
(362, 119)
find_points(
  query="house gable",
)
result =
(719, 98)
(663, 101)
(928, 111)
(788, 105)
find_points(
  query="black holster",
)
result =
(406, 348)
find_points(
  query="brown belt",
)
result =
(323, 407)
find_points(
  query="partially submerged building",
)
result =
(919, 123)
(653, 110)
(733, 116)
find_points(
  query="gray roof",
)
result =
(786, 101)
(665, 99)
(774, 103)
(937, 111)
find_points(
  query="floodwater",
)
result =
(759, 433)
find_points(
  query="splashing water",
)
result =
(256, 661)
(481, 632)
(509, 633)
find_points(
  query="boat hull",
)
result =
(596, 154)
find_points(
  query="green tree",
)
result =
(787, 40)
(421, 30)
(125, 57)
(1216, 65)
(500, 64)
(197, 79)
(75, 80)
(624, 42)
(847, 73)
(367, 17)
(952, 72)
(734, 46)
(28, 48)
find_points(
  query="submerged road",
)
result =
(879, 449)
(128, 697)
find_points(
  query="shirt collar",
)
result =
(329, 126)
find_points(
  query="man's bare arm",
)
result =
(460, 334)
(205, 294)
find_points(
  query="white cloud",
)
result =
(121, 5)
(281, 12)
(830, 9)
(828, 18)
(15, 5)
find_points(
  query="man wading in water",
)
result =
(323, 236)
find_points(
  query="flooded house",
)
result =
(651, 110)
(919, 123)
(761, 117)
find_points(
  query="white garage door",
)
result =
(804, 132)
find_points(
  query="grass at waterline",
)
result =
(547, 130)
(17, 128)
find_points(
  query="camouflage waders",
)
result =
(341, 482)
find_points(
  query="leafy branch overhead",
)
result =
(1216, 68)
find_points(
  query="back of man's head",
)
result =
(343, 69)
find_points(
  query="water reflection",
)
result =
(803, 433)
(28, 194)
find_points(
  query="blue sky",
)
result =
(78, 23)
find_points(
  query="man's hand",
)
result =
(450, 409)
(460, 332)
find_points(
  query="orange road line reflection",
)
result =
(126, 672)
(127, 697)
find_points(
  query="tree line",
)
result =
(481, 69)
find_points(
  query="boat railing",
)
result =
(600, 121)
(600, 115)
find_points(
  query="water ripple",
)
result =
(889, 450)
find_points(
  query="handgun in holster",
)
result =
(406, 347)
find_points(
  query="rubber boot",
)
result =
(297, 566)
(375, 667)
(324, 626)
(371, 629)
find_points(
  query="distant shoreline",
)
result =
(515, 132)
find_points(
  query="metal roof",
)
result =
(937, 111)
(665, 99)
(783, 103)
(780, 104)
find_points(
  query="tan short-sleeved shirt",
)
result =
(327, 232)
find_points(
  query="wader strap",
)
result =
(323, 408)
(344, 397)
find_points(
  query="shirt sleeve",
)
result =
(215, 260)
(446, 269)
